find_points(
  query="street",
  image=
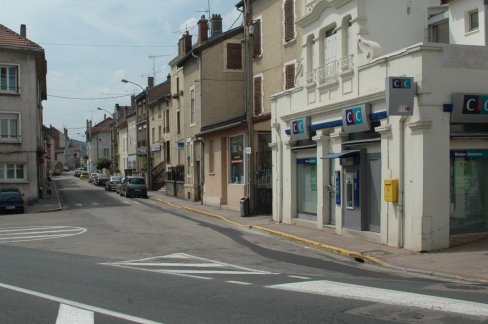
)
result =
(111, 259)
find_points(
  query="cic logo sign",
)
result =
(354, 116)
(401, 83)
(299, 129)
(475, 105)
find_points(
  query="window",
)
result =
(9, 126)
(167, 152)
(106, 152)
(153, 135)
(234, 56)
(258, 95)
(159, 132)
(330, 45)
(9, 81)
(473, 20)
(289, 76)
(166, 121)
(211, 157)
(257, 38)
(192, 106)
(178, 124)
(237, 159)
(289, 20)
(12, 171)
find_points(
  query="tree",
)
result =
(103, 163)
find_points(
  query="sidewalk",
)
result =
(467, 260)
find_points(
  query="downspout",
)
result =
(202, 147)
(276, 126)
(485, 2)
(401, 189)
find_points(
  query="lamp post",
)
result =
(148, 162)
(112, 132)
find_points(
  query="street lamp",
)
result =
(148, 162)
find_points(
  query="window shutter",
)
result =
(289, 21)
(234, 56)
(289, 76)
(257, 38)
(258, 99)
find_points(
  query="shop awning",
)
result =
(339, 155)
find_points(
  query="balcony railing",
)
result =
(331, 70)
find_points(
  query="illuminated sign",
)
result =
(469, 108)
(399, 94)
(356, 119)
(299, 129)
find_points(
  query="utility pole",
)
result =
(248, 70)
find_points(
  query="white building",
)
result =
(385, 99)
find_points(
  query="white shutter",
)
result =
(331, 49)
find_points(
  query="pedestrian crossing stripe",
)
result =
(187, 265)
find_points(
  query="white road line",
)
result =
(69, 314)
(78, 205)
(299, 277)
(78, 305)
(386, 296)
(36, 233)
(239, 283)
(95, 204)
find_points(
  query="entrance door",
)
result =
(307, 188)
(374, 192)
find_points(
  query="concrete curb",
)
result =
(322, 246)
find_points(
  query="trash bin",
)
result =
(244, 207)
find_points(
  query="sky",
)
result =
(90, 45)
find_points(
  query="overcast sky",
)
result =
(91, 45)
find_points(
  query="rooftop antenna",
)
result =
(153, 58)
(208, 9)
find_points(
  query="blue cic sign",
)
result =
(299, 129)
(356, 119)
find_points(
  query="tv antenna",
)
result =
(208, 9)
(153, 58)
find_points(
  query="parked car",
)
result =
(92, 177)
(11, 200)
(133, 186)
(112, 182)
(84, 175)
(100, 180)
(77, 173)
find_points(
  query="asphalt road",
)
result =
(110, 259)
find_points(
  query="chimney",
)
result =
(215, 25)
(168, 77)
(184, 44)
(23, 31)
(202, 30)
(150, 82)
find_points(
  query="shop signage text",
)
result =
(300, 129)
(399, 94)
(469, 108)
(356, 119)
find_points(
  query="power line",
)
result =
(90, 98)
(104, 45)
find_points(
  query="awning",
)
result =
(342, 154)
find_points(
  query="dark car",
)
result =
(111, 184)
(100, 180)
(133, 186)
(11, 200)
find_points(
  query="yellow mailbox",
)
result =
(391, 190)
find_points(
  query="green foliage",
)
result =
(103, 163)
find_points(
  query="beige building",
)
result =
(23, 71)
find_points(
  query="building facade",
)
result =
(23, 70)
(377, 138)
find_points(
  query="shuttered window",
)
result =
(257, 38)
(289, 76)
(234, 56)
(258, 95)
(289, 19)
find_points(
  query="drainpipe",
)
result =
(401, 189)
(276, 126)
(485, 2)
(202, 144)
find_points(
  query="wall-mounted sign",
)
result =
(156, 147)
(181, 146)
(469, 108)
(299, 129)
(356, 119)
(142, 150)
(399, 94)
